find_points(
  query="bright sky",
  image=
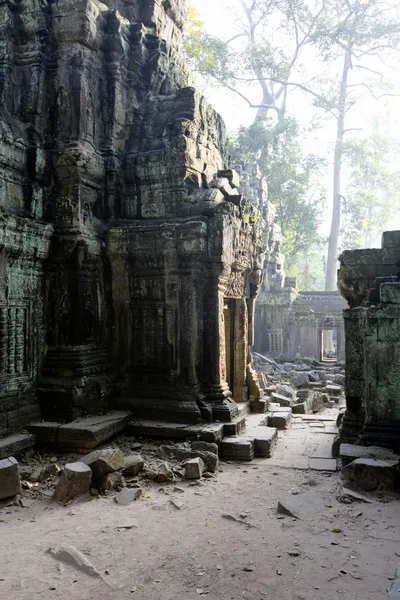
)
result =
(218, 21)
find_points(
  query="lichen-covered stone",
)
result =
(74, 481)
(10, 484)
(102, 462)
(133, 464)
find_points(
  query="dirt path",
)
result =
(194, 551)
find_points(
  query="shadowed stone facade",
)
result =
(369, 280)
(129, 262)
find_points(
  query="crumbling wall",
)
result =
(369, 281)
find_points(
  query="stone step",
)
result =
(264, 439)
(16, 444)
(83, 434)
(349, 452)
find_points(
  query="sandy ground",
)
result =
(188, 553)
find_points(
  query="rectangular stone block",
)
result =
(281, 400)
(16, 444)
(237, 448)
(280, 419)
(10, 484)
(390, 239)
(367, 256)
(390, 292)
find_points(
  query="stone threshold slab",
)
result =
(210, 432)
(13, 445)
(83, 434)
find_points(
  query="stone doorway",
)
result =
(236, 346)
(229, 325)
(329, 343)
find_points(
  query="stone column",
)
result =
(240, 350)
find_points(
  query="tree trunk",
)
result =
(331, 280)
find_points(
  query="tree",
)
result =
(292, 176)
(361, 29)
(372, 192)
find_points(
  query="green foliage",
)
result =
(372, 193)
(292, 178)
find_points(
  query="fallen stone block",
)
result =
(371, 474)
(210, 459)
(104, 461)
(349, 452)
(299, 409)
(268, 390)
(333, 390)
(298, 378)
(71, 556)
(162, 473)
(111, 481)
(74, 481)
(205, 447)
(323, 464)
(237, 448)
(284, 390)
(281, 400)
(194, 468)
(10, 484)
(133, 464)
(301, 506)
(280, 419)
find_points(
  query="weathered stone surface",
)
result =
(9, 478)
(280, 419)
(127, 495)
(237, 448)
(349, 452)
(205, 447)
(394, 592)
(74, 481)
(298, 378)
(163, 473)
(14, 445)
(49, 471)
(111, 481)
(89, 303)
(104, 461)
(301, 506)
(133, 464)
(299, 409)
(281, 400)
(323, 464)
(264, 440)
(194, 468)
(284, 390)
(371, 474)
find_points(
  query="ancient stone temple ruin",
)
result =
(369, 280)
(129, 262)
(289, 323)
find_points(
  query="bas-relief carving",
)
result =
(121, 139)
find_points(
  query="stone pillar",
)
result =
(240, 345)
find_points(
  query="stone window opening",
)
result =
(329, 344)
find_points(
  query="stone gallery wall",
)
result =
(369, 280)
(128, 257)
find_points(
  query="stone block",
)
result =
(299, 409)
(232, 176)
(323, 464)
(268, 390)
(112, 481)
(237, 448)
(367, 256)
(74, 481)
(104, 461)
(205, 447)
(281, 400)
(281, 419)
(194, 468)
(333, 390)
(371, 474)
(284, 390)
(10, 484)
(133, 464)
(264, 439)
(349, 452)
(390, 239)
(299, 378)
(16, 444)
(390, 293)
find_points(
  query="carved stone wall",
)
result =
(130, 234)
(369, 280)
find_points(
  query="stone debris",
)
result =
(183, 452)
(230, 517)
(280, 419)
(371, 474)
(102, 462)
(10, 484)
(112, 481)
(178, 504)
(69, 555)
(48, 472)
(394, 592)
(74, 481)
(161, 473)
(133, 465)
(194, 468)
(301, 506)
(347, 495)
